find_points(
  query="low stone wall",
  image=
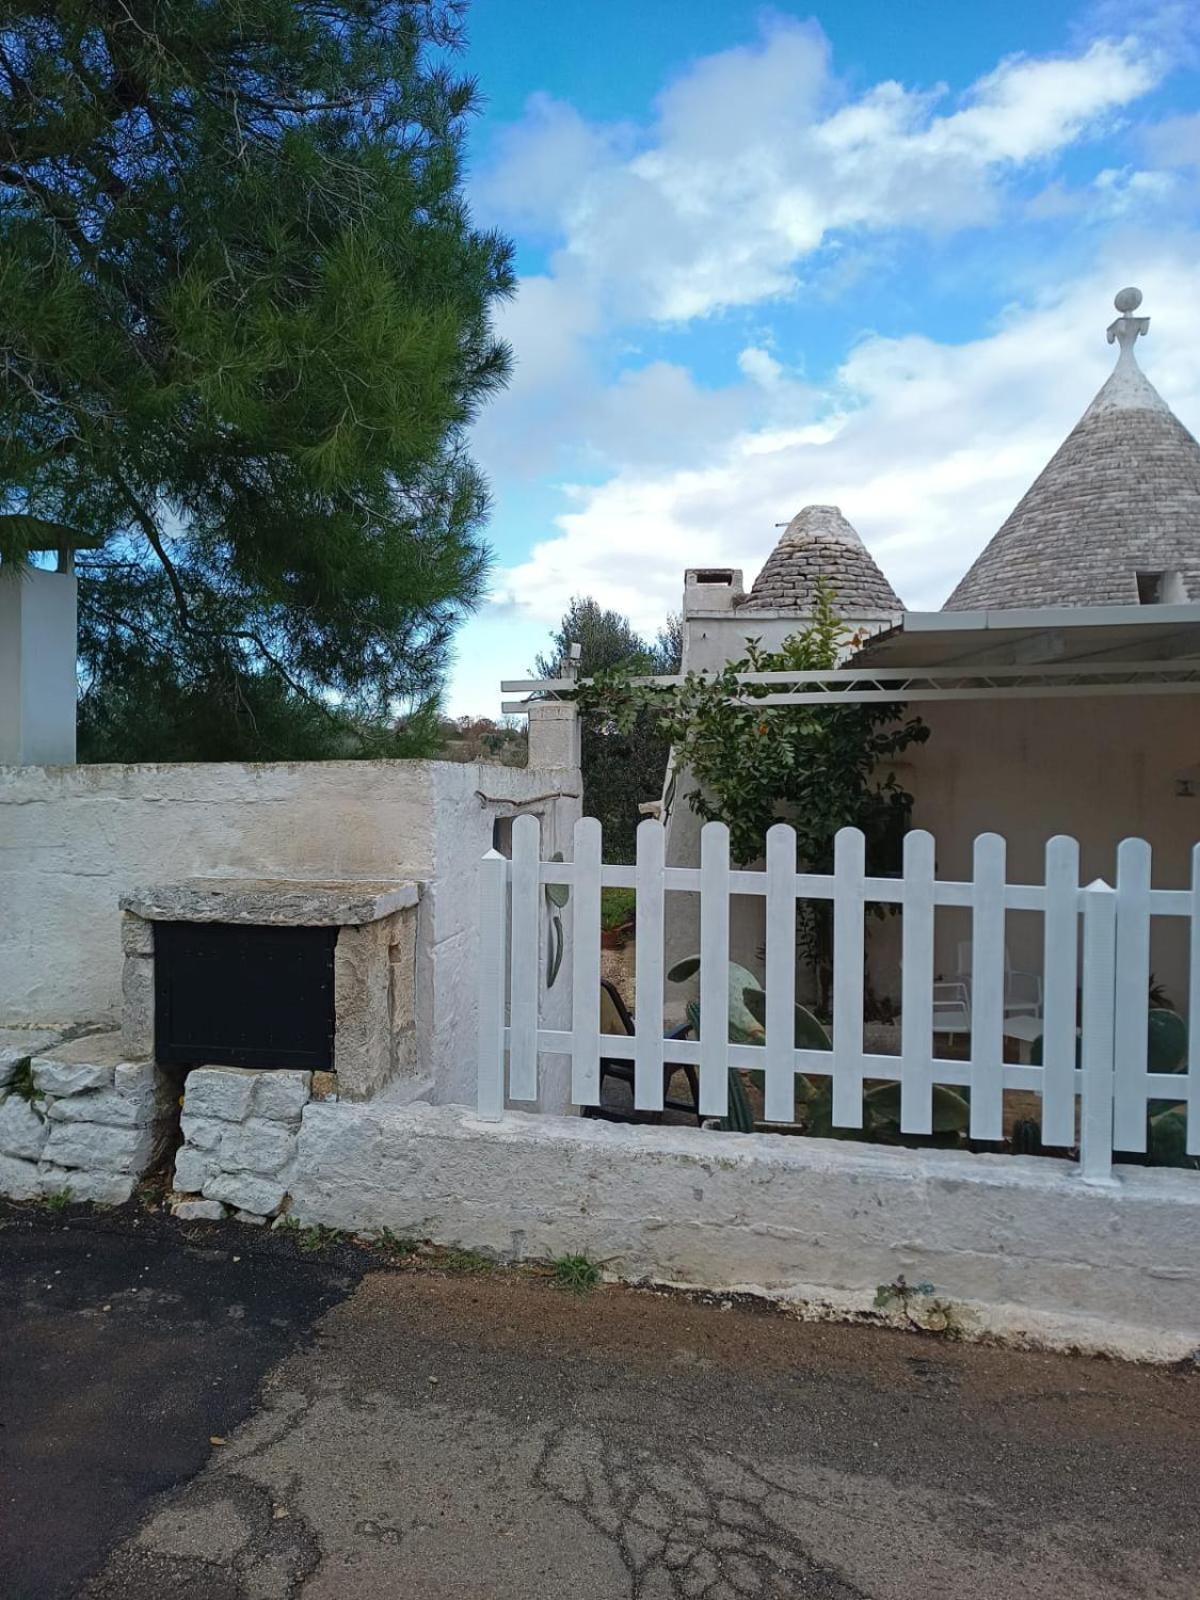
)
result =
(240, 1135)
(81, 1119)
(1020, 1246)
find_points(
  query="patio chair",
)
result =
(951, 1007)
(1022, 990)
(615, 1017)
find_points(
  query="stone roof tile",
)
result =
(1120, 496)
(819, 545)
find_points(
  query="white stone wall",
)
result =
(1019, 1245)
(80, 1120)
(74, 839)
(240, 1133)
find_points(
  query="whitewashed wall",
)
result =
(74, 839)
(1100, 770)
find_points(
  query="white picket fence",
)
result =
(1096, 973)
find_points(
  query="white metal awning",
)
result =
(1054, 652)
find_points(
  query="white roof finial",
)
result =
(1126, 330)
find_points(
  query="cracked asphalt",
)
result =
(436, 1436)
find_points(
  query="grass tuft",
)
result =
(395, 1244)
(464, 1261)
(318, 1238)
(576, 1274)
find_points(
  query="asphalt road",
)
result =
(440, 1436)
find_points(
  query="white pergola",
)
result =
(1048, 653)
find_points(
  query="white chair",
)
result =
(951, 1007)
(1022, 990)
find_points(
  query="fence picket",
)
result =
(1109, 1088)
(714, 969)
(987, 989)
(849, 932)
(648, 968)
(526, 952)
(493, 929)
(585, 974)
(1060, 979)
(779, 1098)
(1133, 982)
(1096, 1046)
(916, 999)
(1193, 1078)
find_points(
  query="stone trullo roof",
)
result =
(1121, 497)
(818, 545)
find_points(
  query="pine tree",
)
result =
(244, 321)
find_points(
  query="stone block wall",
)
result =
(81, 1119)
(240, 1132)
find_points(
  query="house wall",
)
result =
(73, 839)
(1099, 769)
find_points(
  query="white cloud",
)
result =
(925, 446)
(756, 158)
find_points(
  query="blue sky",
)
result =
(770, 256)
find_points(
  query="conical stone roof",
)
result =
(1121, 496)
(819, 545)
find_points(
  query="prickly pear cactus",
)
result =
(1026, 1138)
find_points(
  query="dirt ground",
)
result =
(214, 1413)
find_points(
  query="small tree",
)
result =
(818, 767)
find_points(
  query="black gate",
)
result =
(228, 995)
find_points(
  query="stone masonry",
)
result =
(81, 1119)
(375, 959)
(240, 1130)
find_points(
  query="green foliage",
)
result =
(1026, 1137)
(814, 1095)
(617, 907)
(396, 1244)
(817, 767)
(21, 1083)
(920, 1309)
(623, 765)
(318, 1237)
(246, 325)
(1166, 1040)
(577, 1274)
(820, 768)
(58, 1201)
(465, 1261)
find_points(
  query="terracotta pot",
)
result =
(615, 938)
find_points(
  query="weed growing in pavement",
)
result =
(920, 1309)
(577, 1274)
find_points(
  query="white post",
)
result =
(1060, 982)
(37, 666)
(1096, 1050)
(849, 923)
(648, 969)
(526, 958)
(987, 987)
(916, 984)
(1193, 1077)
(714, 969)
(585, 973)
(493, 952)
(1132, 983)
(779, 1098)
